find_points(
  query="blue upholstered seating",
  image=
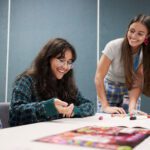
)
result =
(4, 114)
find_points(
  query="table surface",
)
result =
(23, 137)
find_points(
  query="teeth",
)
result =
(133, 40)
(61, 71)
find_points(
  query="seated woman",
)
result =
(47, 90)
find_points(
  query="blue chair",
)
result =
(4, 114)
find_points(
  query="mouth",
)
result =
(133, 40)
(60, 73)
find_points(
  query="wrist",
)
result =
(131, 110)
(104, 108)
(131, 106)
(104, 105)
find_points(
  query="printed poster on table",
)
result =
(111, 138)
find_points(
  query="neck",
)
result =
(135, 49)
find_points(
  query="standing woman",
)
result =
(120, 66)
(47, 90)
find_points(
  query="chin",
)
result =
(133, 44)
(59, 77)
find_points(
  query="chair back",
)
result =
(4, 114)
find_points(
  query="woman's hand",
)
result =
(69, 111)
(63, 108)
(112, 110)
(138, 112)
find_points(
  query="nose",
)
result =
(65, 66)
(134, 35)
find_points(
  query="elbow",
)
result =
(98, 80)
(92, 109)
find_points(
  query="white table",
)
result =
(23, 137)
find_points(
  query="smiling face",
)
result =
(60, 66)
(136, 35)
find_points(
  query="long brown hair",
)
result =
(126, 53)
(146, 69)
(46, 84)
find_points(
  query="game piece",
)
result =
(112, 115)
(100, 118)
(128, 114)
(148, 116)
(132, 117)
(124, 148)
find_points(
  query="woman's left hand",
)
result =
(138, 112)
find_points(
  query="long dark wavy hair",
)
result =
(126, 53)
(46, 84)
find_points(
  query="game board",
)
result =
(100, 137)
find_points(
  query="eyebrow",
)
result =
(138, 31)
(142, 31)
(64, 58)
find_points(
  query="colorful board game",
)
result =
(110, 138)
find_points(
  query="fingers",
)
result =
(68, 111)
(139, 112)
(142, 113)
(60, 102)
(60, 105)
(63, 108)
(118, 110)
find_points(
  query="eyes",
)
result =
(138, 33)
(63, 62)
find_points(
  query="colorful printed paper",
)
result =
(111, 138)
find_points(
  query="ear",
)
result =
(146, 41)
(148, 36)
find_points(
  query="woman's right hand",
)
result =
(112, 110)
(63, 108)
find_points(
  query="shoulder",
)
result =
(113, 48)
(24, 80)
(116, 42)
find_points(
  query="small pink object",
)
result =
(148, 116)
(100, 118)
(131, 115)
(112, 115)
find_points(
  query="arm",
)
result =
(101, 72)
(83, 107)
(28, 109)
(133, 95)
(136, 90)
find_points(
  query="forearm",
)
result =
(103, 99)
(22, 113)
(101, 92)
(137, 88)
(83, 107)
(134, 95)
(26, 113)
(84, 110)
(25, 110)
